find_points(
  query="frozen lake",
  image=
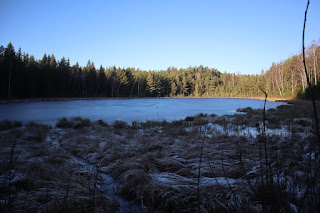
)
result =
(127, 110)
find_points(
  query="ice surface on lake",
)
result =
(127, 110)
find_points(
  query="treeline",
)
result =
(23, 76)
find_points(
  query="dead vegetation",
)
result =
(5, 125)
(37, 176)
(156, 164)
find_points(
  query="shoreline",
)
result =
(21, 100)
(274, 99)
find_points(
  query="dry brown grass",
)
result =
(157, 163)
(42, 177)
(6, 124)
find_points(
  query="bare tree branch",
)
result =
(308, 80)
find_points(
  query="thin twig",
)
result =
(308, 80)
(199, 172)
(264, 141)
(264, 109)
(244, 172)
(215, 178)
(224, 173)
(315, 177)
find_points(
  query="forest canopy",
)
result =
(23, 76)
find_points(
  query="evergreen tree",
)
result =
(185, 86)
(151, 86)
(9, 55)
(53, 62)
(102, 83)
(91, 80)
(22, 75)
(122, 80)
(173, 88)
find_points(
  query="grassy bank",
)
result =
(204, 162)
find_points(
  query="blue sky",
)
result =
(233, 36)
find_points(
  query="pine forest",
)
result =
(23, 76)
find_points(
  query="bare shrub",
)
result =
(119, 124)
(201, 115)
(77, 123)
(201, 121)
(36, 132)
(6, 124)
(63, 123)
(189, 119)
(244, 110)
(102, 123)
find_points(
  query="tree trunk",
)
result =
(292, 81)
(132, 88)
(315, 62)
(9, 80)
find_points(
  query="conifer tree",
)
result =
(9, 55)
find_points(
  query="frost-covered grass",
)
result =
(157, 164)
(38, 176)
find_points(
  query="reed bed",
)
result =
(203, 163)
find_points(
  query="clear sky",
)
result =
(234, 36)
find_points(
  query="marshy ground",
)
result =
(203, 163)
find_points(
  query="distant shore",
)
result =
(257, 98)
(21, 100)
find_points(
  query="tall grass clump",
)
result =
(244, 110)
(76, 123)
(102, 123)
(119, 124)
(6, 124)
(37, 132)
